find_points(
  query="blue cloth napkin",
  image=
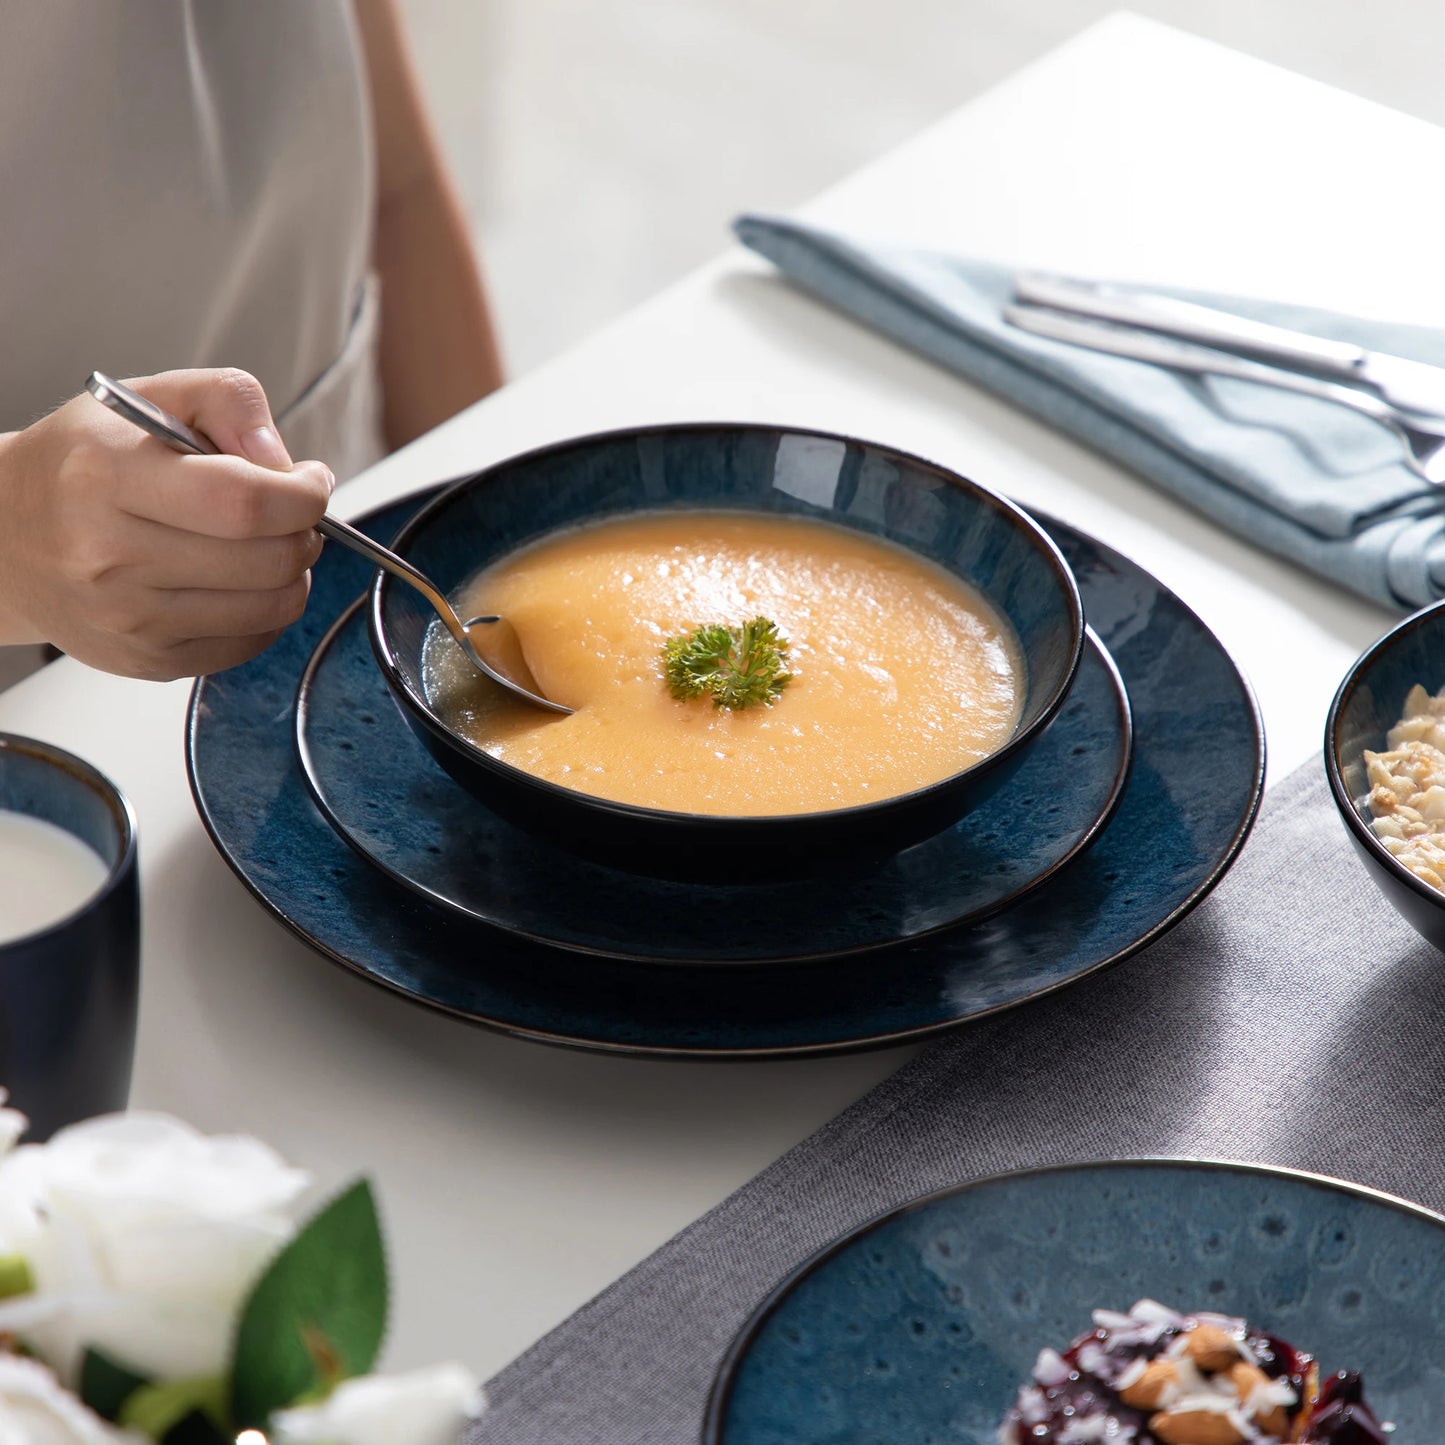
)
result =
(1307, 479)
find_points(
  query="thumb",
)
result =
(228, 405)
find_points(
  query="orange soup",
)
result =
(902, 674)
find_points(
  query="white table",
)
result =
(518, 1180)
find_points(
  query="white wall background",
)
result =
(603, 145)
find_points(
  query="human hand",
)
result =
(141, 561)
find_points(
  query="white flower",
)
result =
(15, 1218)
(12, 1124)
(422, 1407)
(143, 1237)
(34, 1410)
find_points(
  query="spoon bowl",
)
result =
(490, 643)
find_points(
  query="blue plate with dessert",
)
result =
(1153, 1302)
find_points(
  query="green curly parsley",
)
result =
(738, 666)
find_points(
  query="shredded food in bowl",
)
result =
(1407, 787)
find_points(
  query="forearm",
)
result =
(15, 627)
(438, 350)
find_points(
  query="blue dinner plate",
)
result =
(1185, 812)
(921, 1326)
(385, 795)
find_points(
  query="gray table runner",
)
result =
(1291, 1019)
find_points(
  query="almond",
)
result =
(1147, 1392)
(1211, 1348)
(1308, 1396)
(1246, 1379)
(1194, 1427)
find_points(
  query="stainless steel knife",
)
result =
(1411, 386)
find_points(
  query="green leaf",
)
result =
(106, 1385)
(318, 1314)
(15, 1276)
(155, 1410)
(736, 666)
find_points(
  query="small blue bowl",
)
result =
(781, 470)
(1366, 707)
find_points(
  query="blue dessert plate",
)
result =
(922, 1325)
(1183, 816)
(386, 796)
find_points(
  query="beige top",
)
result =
(190, 183)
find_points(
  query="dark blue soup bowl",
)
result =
(780, 470)
(1366, 707)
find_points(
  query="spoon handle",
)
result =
(348, 536)
(182, 438)
(148, 416)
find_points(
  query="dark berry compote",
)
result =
(1158, 1377)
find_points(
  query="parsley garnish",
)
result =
(738, 666)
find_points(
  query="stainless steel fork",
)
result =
(1423, 439)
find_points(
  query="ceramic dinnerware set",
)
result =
(403, 853)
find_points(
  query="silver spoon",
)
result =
(491, 643)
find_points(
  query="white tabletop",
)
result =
(518, 1180)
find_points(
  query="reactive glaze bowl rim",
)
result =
(122, 814)
(1344, 803)
(422, 713)
(725, 1377)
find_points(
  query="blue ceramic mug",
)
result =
(68, 987)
